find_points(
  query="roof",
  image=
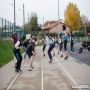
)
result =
(50, 24)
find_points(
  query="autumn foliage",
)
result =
(72, 17)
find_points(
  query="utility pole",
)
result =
(86, 35)
(58, 16)
(28, 17)
(23, 17)
(43, 20)
(58, 11)
(14, 16)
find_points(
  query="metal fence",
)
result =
(81, 39)
(6, 28)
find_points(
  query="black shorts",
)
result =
(29, 54)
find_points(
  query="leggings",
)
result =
(18, 57)
(44, 46)
(72, 47)
(50, 49)
(61, 46)
(65, 45)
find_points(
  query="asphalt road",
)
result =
(45, 76)
(83, 57)
(59, 75)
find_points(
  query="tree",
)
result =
(72, 17)
(27, 27)
(84, 20)
(32, 26)
(34, 22)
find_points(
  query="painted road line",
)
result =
(42, 72)
(12, 82)
(75, 84)
(15, 78)
(42, 80)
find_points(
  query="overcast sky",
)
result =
(44, 8)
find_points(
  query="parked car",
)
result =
(86, 45)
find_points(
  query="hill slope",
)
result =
(6, 54)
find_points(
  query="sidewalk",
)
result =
(78, 71)
(7, 73)
(59, 75)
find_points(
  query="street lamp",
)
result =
(23, 16)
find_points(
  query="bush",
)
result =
(53, 34)
(79, 34)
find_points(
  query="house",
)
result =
(54, 27)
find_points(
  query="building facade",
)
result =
(54, 27)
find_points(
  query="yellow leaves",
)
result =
(72, 17)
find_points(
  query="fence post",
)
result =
(5, 27)
(8, 29)
(2, 27)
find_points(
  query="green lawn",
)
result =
(6, 54)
